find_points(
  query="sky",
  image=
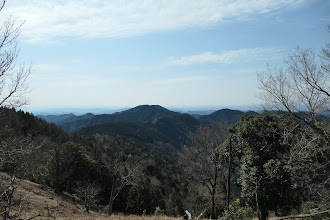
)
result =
(174, 53)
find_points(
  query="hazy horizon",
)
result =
(112, 109)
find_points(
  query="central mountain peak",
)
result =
(145, 113)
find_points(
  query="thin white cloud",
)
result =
(230, 56)
(243, 70)
(47, 68)
(181, 80)
(50, 76)
(129, 68)
(48, 19)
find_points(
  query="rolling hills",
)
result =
(146, 123)
(141, 113)
(226, 116)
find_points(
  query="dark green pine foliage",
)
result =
(68, 165)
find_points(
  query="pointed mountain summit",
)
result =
(144, 113)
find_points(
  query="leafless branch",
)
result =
(125, 169)
(304, 215)
(302, 89)
(2, 4)
(13, 77)
(199, 162)
(88, 192)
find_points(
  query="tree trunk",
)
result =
(214, 186)
(87, 208)
(57, 187)
(110, 205)
(57, 157)
(213, 208)
(262, 214)
(8, 204)
(111, 199)
(229, 174)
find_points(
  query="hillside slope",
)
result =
(226, 116)
(56, 118)
(167, 129)
(141, 113)
(137, 130)
(160, 179)
(42, 203)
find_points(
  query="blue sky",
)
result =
(123, 53)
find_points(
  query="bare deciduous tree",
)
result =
(6, 201)
(14, 206)
(13, 85)
(13, 77)
(12, 154)
(309, 163)
(12, 150)
(88, 192)
(124, 170)
(325, 57)
(15, 150)
(301, 88)
(202, 162)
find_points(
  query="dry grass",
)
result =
(45, 202)
(37, 201)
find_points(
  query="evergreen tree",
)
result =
(264, 177)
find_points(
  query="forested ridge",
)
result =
(87, 159)
(173, 176)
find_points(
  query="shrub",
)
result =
(158, 212)
(236, 212)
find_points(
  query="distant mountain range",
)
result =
(147, 123)
(142, 113)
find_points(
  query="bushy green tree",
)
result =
(264, 177)
(68, 165)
